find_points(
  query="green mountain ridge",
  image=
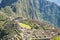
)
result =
(32, 9)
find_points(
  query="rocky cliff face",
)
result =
(33, 9)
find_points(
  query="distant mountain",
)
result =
(32, 9)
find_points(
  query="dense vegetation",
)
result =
(2, 19)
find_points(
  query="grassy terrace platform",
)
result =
(24, 25)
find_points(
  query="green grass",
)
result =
(56, 38)
(24, 25)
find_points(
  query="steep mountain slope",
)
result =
(32, 9)
(3, 16)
